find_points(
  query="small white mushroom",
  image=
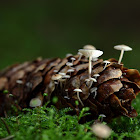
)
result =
(91, 54)
(19, 81)
(93, 79)
(96, 75)
(69, 64)
(66, 76)
(55, 71)
(122, 48)
(72, 59)
(56, 77)
(89, 47)
(101, 116)
(35, 102)
(69, 54)
(90, 81)
(66, 97)
(66, 90)
(106, 63)
(80, 56)
(29, 84)
(101, 130)
(70, 70)
(61, 73)
(94, 90)
(78, 90)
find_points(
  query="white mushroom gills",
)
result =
(94, 59)
(90, 54)
(78, 90)
(122, 48)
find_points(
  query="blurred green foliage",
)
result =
(53, 28)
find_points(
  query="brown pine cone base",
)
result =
(111, 95)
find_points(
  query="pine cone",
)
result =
(110, 92)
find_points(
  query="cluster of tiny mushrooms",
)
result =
(92, 54)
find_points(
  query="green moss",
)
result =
(48, 123)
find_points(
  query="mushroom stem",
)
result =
(79, 99)
(89, 69)
(80, 56)
(121, 56)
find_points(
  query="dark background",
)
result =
(52, 28)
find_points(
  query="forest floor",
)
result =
(48, 123)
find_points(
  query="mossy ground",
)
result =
(48, 123)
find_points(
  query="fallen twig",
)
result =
(8, 130)
(7, 138)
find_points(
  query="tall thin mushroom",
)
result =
(78, 90)
(90, 54)
(122, 48)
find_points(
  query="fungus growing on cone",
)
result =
(122, 48)
(111, 91)
(90, 53)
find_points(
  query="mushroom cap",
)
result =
(79, 53)
(93, 89)
(70, 70)
(56, 76)
(122, 47)
(69, 54)
(89, 47)
(106, 61)
(96, 75)
(77, 90)
(102, 115)
(72, 58)
(62, 73)
(93, 79)
(35, 102)
(19, 81)
(91, 53)
(101, 130)
(66, 76)
(69, 64)
(55, 71)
